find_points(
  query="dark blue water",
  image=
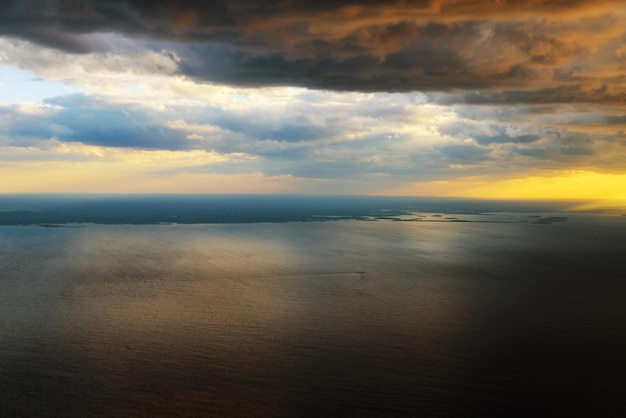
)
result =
(195, 209)
(349, 318)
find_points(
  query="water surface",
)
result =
(345, 318)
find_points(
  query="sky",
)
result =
(470, 98)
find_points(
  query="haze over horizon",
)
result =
(468, 98)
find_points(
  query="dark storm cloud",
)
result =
(421, 65)
(528, 50)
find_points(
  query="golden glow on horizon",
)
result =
(68, 178)
(606, 190)
(574, 185)
(84, 168)
(568, 185)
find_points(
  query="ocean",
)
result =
(169, 306)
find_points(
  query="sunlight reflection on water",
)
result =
(313, 319)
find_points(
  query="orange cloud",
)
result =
(397, 45)
(186, 21)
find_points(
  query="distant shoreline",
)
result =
(53, 211)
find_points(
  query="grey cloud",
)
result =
(488, 131)
(570, 94)
(557, 155)
(576, 151)
(614, 120)
(535, 152)
(503, 138)
(85, 120)
(465, 152)
(291, 128)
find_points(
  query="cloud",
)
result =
(606, 93)
(465, 152)
(77, 118)
(507, 51)
(359, 95)
(387, 138)
(308, 135)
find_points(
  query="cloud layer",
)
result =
(315, 96)
(560, 50)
